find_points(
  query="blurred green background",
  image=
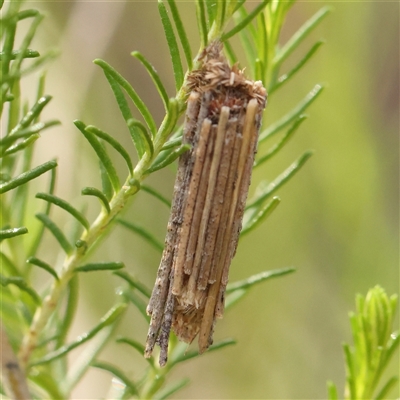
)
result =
(337, 223)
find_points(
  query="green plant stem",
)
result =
(154, 380)
(49, 304)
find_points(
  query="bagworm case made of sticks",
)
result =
(222, 123)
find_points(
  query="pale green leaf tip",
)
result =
(327, 9)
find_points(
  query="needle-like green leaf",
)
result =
(392, 346)
(82, 361)
(137, 346)
(32, 114)
(154, 76)
(27, 14)
(142, 232)
(21, 284)
(221, 14)
(295, 40)
(258, 70)
(100, 266)
(242, 15)
(258, 278)
(291, 115)
(91, 191)
(8, 140)
(234, 297)
(132, 389)
(278, 146)
(39, 235)
(389, 385)
(114, 143)
(29, 53)
(258, 214)
(134, 282)
(181, 33)
(133, 343)
(172, 143)
(16, 66)
(280, 180)
(180, 356)
(21, 145)
(249, 50)
(239, 4)
(138, 303)
(262, 43)
(43, 265)
(8, 265)
(106, 185)
(110, 318)
(163, 160)
(202, 22)
(240, 26)
(211, 6)
(49, 384)
(167, 392)
(56, 231)
(172, 44)
(101, 153)
(27, 176)
(137, 129)
(126, 112)
(39, 62)
(332, 391)
(65, 206)
(230, 54)
(169, 121)
(156, 194)
(12, 232)
(131, 93)
(286, 77)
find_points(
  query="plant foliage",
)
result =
(36, 324)
(375, 344)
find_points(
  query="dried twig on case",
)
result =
(222, 123)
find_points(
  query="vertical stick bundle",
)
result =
(222, 122)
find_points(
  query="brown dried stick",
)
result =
(189, 206)
(237, 225)
(212, 179)
(165, 329)
(13, 378)
(158, 297)
(219, 203)
(201, 198)
(232, 178)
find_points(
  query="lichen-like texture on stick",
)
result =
(222, 123)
